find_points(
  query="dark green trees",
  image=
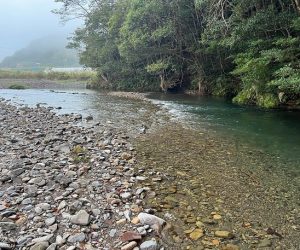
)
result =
(248, 50)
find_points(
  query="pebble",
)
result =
(129, 246)
(81, 218)
(50, 221)
(80, 237)
(130, 236)
(40, 246)
(265, 243)
(5, 246)
(224, 234)
(149, 245)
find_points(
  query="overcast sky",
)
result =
(22, 21)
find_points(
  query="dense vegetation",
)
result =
(45, 52)
(246, 49)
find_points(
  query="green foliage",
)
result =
(16, 86)
(246, 49)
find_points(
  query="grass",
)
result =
(52, 75)
(16, 86)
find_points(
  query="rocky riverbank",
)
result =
(63, 186)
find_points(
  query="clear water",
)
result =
(274, 132)
(118, 112)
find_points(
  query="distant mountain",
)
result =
(49, 51)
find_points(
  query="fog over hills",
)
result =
(48, 51)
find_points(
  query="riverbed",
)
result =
(220, 166)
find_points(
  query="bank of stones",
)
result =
(67, 187)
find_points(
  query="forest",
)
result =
(246, 50)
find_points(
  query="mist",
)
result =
(22, 21)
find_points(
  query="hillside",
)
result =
(49, 51)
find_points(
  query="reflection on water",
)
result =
(122, 113)
(277, 132)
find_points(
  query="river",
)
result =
(215, 157)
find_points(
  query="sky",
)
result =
(22, 21)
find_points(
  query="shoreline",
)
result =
(64, 186)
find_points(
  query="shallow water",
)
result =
(122, 113)
(275, 132)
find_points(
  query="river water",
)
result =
(241, 162)
(273, 132)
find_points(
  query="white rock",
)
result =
(149, 219)
(149, 245)
(81, 218)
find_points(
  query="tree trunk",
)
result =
(297, 3)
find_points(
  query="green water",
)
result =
(275, 132)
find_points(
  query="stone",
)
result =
(81, 218)
(7, 226)
(129, 246)
(112, 232)
(196, 234)
(135, 221)
(149, 219)
(121, 222)
(125, 195)
(62, 205)
(265, 243)
(31, 190)
(224, 234)
(26, 201)
(130, 236)
(126, 156)
(17, 172)
(149, 245)
(50, 221)
(5, 246)
(217, 217)
(230, 247)
(40, 246)
(80, 237)
(45, 238)
(52, 247)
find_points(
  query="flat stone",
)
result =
(81, 218)
(129, 246)
(196, 234)
(17, 172)
(52, 247)
(130, 236)
(7, 226)
(5, 246)
(265, 243)
(224, 234)
(80, 237)
(45, 238)
(40, 246)
(230, 247)
(50, 221)
(149, 245)
(26, 201)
